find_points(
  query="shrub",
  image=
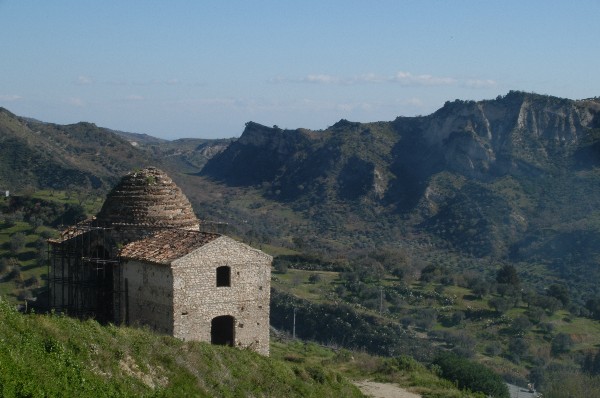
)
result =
(281, 267)
(500, 304)
(24, 295)
(4, 265)
(470, 375)
(398, 272)
(561, 343)
(31, 281)
(17, 242)
(520, 325)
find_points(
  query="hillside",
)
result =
(511, 179)
(42, 155)
(47, 355)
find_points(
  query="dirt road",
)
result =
(383, 390)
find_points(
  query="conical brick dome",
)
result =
(147, 198)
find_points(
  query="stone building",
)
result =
(144, 260)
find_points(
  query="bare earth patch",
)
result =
(383, 390)
(151, 379)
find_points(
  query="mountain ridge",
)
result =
(481, 177)
(466, 137)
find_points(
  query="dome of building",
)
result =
(147, 198)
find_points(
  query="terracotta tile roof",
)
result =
(73, 231)
(166, 246)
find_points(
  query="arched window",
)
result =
(223, 276)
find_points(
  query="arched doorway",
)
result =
(222, 330)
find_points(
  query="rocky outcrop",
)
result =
(519, 134)
(256, 156)
(514, 133)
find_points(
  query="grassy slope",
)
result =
(360, 366)
(46, 355)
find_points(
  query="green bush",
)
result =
(470, 375)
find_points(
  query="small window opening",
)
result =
(223, 276)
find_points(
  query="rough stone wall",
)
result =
(197, 299)
(147, 295)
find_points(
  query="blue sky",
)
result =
(202, 69)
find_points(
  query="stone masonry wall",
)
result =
(148, 295)
(197, 299)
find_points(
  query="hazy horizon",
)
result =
(187, 69)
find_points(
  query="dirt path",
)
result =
(383, 390)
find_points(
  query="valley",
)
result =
(390, 238)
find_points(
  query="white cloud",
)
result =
(10, 98)
(321, 79)
(371, 78)
(150, 83)
(480, 83)
(219, 101)
(77, 102)
(412, 102)
(408, 79)
(84, 80)
(400, 77)
(403, 78)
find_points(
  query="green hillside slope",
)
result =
(51, 356)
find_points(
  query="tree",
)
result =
(499, 304)
(561, 343)
(398, 272)
(508, 275)
(480, 288)
(559, 292)
(517, 349)
(593, 305)
(281, 267)
(520, 325)
(458, 317)
(550, 304)
(528, 296)
(535, 314)
(4, 265)
(16, 242)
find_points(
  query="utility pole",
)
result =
(380, 300)
(294, 327)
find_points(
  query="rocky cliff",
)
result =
(481, 176)
(518, 134)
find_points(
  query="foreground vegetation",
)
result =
(49, 355)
